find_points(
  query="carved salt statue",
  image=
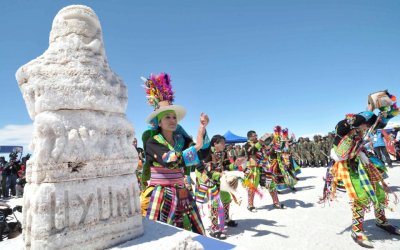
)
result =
(81, 190)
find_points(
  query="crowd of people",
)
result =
(169, 193)
(12, 175)
(178, 176)
(306, 152)
(273, 161)
(316, 152)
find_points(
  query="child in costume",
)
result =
(169, 155)
(288, 159)
(215, 162)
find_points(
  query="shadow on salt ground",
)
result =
(303, 178)
(304, 188)
(286, 191)
(297, 189)
(394, 188)
(375, 233)
(291, 203)
(250, 225)
(210, 243)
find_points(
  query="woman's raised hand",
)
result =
(204, 120)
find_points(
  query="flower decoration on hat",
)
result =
(277, 136)
(158, 89)
(350, 118)
(160, 96)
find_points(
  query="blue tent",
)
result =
(10, 149)
(232, 138)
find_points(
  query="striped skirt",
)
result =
(175, 205)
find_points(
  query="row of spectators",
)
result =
(12, 175)
(379, 146)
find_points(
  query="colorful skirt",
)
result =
(174, 205)
(212, 195)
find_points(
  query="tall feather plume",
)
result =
(158, 88)
(285, 133)
(278, 129)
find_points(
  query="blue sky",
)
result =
(248, 64)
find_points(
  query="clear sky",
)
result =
(247, 64)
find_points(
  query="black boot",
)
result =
(383, 223)
(231, 223)
(218, 235)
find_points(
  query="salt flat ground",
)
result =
(303, 224)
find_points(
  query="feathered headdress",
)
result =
(158, 89)
(285, 133)
(160, 96)
(277, 129)
(391, 110)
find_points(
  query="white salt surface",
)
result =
(304, 224)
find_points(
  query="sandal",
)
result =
(252, 209)
(279, 206)
(361, 240)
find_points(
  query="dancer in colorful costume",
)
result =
(294, 168)
(256, 153)
(169, 156)
(280, 161)
(208, 178)
(361, 178)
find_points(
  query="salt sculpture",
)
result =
(81, 190)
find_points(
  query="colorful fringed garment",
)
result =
(171, 201)
(208, 185)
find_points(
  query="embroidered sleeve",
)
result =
(190, 156)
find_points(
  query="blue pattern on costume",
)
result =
(174, 154)
(206, 143)
(153, 125)
(366, 184)
(190, 156)
(179, 142)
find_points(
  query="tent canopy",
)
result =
(232, 138)
(10, 149)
